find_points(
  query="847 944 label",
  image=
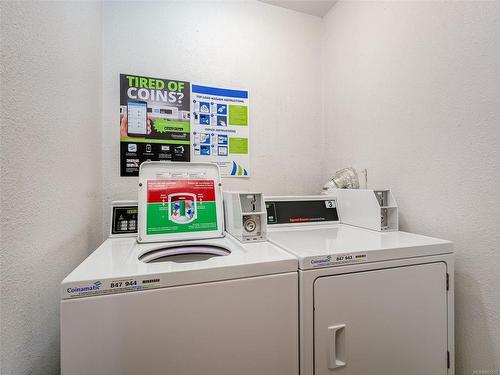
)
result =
(120, 284)
(340, 259)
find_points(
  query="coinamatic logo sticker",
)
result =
(321, 261)
(338, 259)
(85, 289)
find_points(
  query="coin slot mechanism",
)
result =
(245, 215)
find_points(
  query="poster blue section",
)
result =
(219, 92)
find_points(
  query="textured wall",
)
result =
(50, 164)
(412, 92)
(270, 51)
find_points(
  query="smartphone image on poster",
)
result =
(137, 119)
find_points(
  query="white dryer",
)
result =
(378, 303)
(199, 302)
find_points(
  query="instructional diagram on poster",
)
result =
(172, 120)
(220, 129)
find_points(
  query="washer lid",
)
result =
(179, 201)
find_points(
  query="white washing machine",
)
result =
(378, 303)
(199, 302)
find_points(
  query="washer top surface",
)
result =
(340, 244)
(122, 265)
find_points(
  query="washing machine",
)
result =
(171, 293)
(371, 302)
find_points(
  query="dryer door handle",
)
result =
(337, 350)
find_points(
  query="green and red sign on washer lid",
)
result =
(179, 201)
(176, 206)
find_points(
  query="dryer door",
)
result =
(382, 322)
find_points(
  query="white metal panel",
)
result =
(245, 327)
(306, 288)
(361, 208)
(389, 321)
(320, 246)
(117, 259)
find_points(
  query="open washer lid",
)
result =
(179, 201)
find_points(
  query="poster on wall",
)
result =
(220, 129)
(154, 121)
(171, 120)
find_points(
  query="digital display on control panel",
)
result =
(124, 220)
(296, 212)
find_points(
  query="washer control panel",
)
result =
(123, 219)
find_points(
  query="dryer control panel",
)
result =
(301, 210)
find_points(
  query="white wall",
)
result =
(270, 51)
(409, 90)
(50, 162)
(412, 92)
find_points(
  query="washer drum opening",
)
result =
(184, 254)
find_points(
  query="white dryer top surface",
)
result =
(340, 244)
(115, 266)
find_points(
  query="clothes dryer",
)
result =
(378, 303)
